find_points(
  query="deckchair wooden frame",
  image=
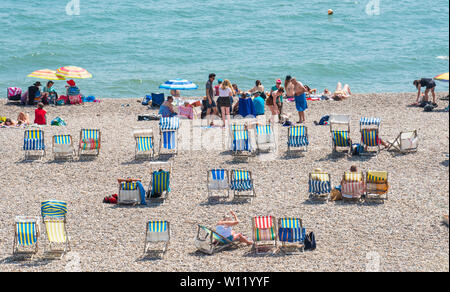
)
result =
(213, 244)
(82, 152)
(57, 155)
(147, 243)
(397, 143)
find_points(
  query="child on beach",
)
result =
(39, 115)
(225, 229)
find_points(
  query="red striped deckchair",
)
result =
(264, 233)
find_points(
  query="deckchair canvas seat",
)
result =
(157, 232)
(264, 233)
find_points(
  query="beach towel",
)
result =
(246, 107)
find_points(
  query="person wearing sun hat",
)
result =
(280, 98)
(72, 90)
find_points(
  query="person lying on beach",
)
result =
(22, 119)
(166, 109)
(429, 85)
(8, 123)
(310, 91)
(225, 229)
(341, 93)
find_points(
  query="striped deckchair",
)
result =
(264, 232)
(57, 235)
(340, 133)
(405, 142)
(377, 184)
(352, 185)
(369, 122)
(297, 137)
(144, 143)
(90, 142)
(217, 180)
(241, 183)
(168, 134)
(265, 137)
(159, 187)
(53, 209)
(157, 232)
(63, 146)
(209, 241)
(291, 233)
(319, 185)
(33, 143)
(26, 236)
(370, 140)
(128, 192)
(240, 140)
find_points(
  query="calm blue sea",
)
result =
(132, 46)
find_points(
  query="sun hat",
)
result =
(279, 81)
(71, 82)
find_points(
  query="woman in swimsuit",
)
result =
(429, 85)
(341, 93)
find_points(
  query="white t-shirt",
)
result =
(224, 92)
(224, 230)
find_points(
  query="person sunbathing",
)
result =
(225, 229)
(166, 109)
(8, 123)
(341, 93)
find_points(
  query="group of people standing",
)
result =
(224, 91)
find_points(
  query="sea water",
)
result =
(132, 46)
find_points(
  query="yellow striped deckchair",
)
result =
(319, 184)
(157, 231)
(90, 142)
(57, 235)
(159, 187)
(128, 191)
(34, 143)
(241, 182)
(63, 146)
(291, 233)
(370, 140)
(265, 136)
(53, 209)
(340, 133)
(26, 236)
(377, 184)
(144, 143)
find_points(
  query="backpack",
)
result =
(310, 241)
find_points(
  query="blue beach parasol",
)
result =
(178, 84)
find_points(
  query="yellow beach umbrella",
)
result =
(73, 72)
(46, 74)
(442, 77)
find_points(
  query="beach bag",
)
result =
(146, 100)
(324, 120)
(310, 241)
(75, 99)
(14, 93)
(58, 122)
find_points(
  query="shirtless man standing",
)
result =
(300, 99)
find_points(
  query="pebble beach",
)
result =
(403, 233)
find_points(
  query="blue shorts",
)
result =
(300, 102)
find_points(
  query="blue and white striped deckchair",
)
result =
(53, 209)
(319, 185)
(26, 235)
(297, 137)
(240, 139)
(241, 181)
(144, 143)
(90, 140)
(157, 231)
(33, 140)
(217, 179)
(168, 127)
(264, 135)
(63, 146)
(209, 241)
(370, 122)
(291, 231)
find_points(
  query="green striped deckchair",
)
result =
(63, 146)
(264, 232)
(209, 241)
(157, 232)
(26, 236)
(90, 142)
